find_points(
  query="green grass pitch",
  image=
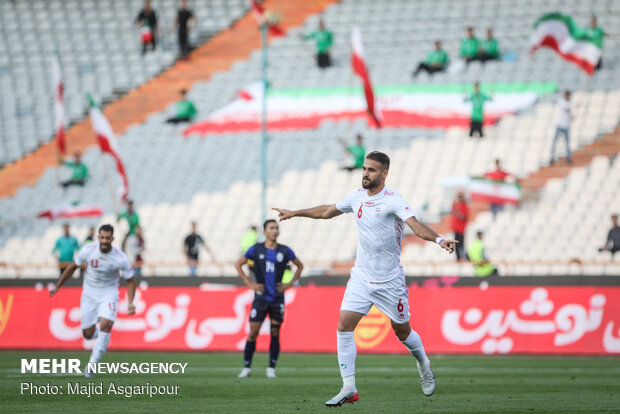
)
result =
(386, 383)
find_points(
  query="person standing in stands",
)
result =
(66, 246)
(147, 22)
(191, 247)
(489, 48)
(133, 220)
(185, 111)
(596, 34)
(184, 22)
(458, 223)
(358, 151)
(436, 61)
(324, 41)
(563, 126)
(498, 175)
(612, 244)
(477, 100)
(79, 171)
(482, 266)
(469, 46)
(134, 249)
(89, 237)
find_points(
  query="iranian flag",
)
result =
(496, 192)
(560, 33)
(359, 67)
(108, 144)
(59, 108)
(71, 211)
(268, 18)
(402, 106)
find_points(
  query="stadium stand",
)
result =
(212, 179)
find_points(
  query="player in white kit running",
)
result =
(100, 289)
(377, 277)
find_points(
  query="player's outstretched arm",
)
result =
(63, 278)
(326, 211)
(428, 234)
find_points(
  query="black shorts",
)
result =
(260, 309)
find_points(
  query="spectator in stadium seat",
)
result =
(460, 215)
(482, 266)
(186, 110)
(324, 41)
(79, 171)
(184, 22)
(66, 246)
(358, 151)
(436, 61)
(89, 237)
(489, 48)
(597, 34)
(469, 46)
(497, 175)
(191, 248)
(612, 244)
(147, 22)
(477, 99)
(563, 125)
(133, 220)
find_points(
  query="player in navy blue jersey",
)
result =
(270, 261)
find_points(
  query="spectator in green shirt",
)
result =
(436, 61)
(358, 151)
(186, 111)
(469, 46)
(133, 220)
(66, 246)
(79, 171)
(489, 48)
(477, 115)
(596, 34)
(324, 41)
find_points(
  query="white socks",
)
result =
(414, 345)
(100, 346)
(346, 358)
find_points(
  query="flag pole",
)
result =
(263, 145)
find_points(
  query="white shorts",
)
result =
(392, 298)
(93, 308)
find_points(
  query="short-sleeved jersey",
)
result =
(274, 262)
(103, 269)
(380, 224)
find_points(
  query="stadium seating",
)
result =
(99, 49)
(212, 179)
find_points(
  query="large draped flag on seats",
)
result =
(71, 211)
(59, 102)
(402, 106)
(358, 62)
(560, 33)
(108, 144)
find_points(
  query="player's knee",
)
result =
(105, 326)
(88, 333)
(275, 330)
(402, 331)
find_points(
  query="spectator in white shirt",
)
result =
(563, 126)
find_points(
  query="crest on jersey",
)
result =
(261, 256)
(279, 257)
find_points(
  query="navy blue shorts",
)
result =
(260, 309)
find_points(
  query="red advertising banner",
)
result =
(496, 320)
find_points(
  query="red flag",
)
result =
(107, 144)
(70, 211)
(59, 110)
(259, 15)
(359, 67)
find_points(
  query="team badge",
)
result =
(279, 257)
(261, 257)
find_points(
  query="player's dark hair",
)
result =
(381, 158)
(106, 227)
(267, 222)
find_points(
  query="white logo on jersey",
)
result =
(279, 257)
(261, 256)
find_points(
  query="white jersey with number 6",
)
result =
(380, 224)
(103, 269)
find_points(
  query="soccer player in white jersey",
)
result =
(377, 277)
(100, 289)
